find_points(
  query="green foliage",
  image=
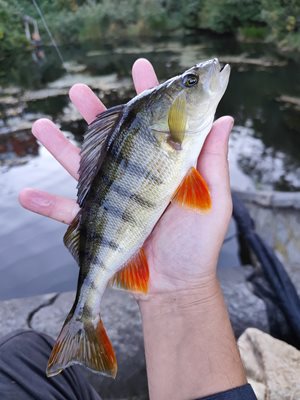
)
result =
(228, 15)
(11, 28)
(253, 32)
(291, 42)
(79, 20)
(282, 19)
(160, 17)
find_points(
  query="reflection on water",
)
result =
(16, 147)
(264, 147)
(267, 167)
(33, 258)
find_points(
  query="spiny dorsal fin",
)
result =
(71, 237)
(134, 276)
(177, 120)
(94, 148)
(193, 192)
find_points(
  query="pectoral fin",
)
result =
(134, 276)
(193, 192)
(177, 120)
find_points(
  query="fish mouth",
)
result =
(224, 73)
(222, 66)
(217, 76)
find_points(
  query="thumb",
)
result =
(213, 163)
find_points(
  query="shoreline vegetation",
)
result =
(73, 21)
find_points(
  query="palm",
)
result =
(184, 246)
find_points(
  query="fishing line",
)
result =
(48, 31)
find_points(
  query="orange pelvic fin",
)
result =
(134, 276)
(82, 342)
(193, 192)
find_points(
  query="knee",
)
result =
(24, 342)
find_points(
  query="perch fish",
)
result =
(135, 159)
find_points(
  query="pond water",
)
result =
(263, 96)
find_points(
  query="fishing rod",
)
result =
(49, 32)
(280, 290)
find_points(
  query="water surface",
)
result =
(264, 147)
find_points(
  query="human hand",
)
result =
(183, 249)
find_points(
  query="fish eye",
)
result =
(190, 80)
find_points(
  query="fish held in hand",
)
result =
(136, 158)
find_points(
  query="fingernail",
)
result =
(37, 129)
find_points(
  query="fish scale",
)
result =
(112, 225)
(136, 159)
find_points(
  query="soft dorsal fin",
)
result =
(94, 148)
(193, 192)
(71, 237)
(134, 276)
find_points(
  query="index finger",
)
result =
(143, 75)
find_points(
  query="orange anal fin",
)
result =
(193, 192)
(134, 276)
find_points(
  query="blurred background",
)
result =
(46, 46)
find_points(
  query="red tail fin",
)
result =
(81, 342)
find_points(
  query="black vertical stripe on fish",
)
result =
(88, 255)
(131, 167)
(88, 311)
(103, 241)
(140, 171)
(121, 157)
(108, 181)
(142, 201)
(124, 192)
(119, 213)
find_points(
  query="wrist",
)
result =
(187, 333)
(195, 299)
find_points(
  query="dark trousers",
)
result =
(23, 359)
